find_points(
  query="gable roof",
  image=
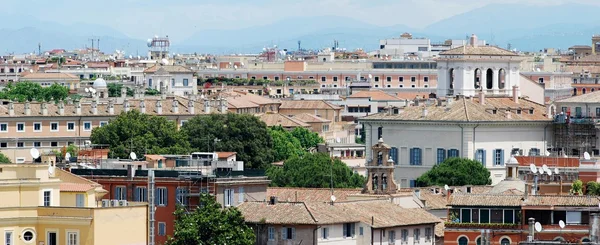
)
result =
(293, 194)
(73, 183)
(376, 95)
(383, 214)
(479, 50)
(470, 110)
(308, 104)
(593, 97)
(168, 68)
(276, 119)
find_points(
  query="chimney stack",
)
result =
(78, 107)
(508, 113)
(424, 112)
(69, 101)
(142, 106)
(191, 109)
(481, 98)
(111, 107)
(11, 108)
(159, 107)
(531, 227)
(223, 105)
(473, 40)
(163, 92)
(206, 106)
(61, 108)
(94, 107)
(126, 105)
(123, 92)
(175, 107)
(28, 108)
(516, 94)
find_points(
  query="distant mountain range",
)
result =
(525, 27)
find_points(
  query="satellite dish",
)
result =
(545, 168)
(165, 61)
(132, 155)
(446, 187)
(333, 198)
(338, 140)
(541, 170)
(586, 156)
(547, 153)
(87, 90)
(34, 153)
(556, 171)
(242, 64)
(538, 227)
(370, 76)
(549, 171)
(533, 168)
(234, 66)
(68, 155)
(561, 224)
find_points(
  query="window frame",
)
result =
(417, 235)
(5, 125)
(17, 127)
(12, 237)
(480, 156)
(68, 234)
(498, 157)
(140, 194)
(77, 201)
(164, 229)
(47, 203)
(271, 233)
(120, 192)
(161, 197)
(57, 126)
(103, 123)
(84, 127)
(416, 159)
(71, 130)
(39, 130)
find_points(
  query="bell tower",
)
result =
(380, 171)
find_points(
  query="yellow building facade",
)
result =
(42, 205)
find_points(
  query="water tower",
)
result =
(158, 48)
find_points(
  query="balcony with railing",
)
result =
(208, 166)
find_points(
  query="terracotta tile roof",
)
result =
(568, 201)
(386, 214)
(167, 68)
(434, 201)
(276, 119)
(376, 95)
(593, 97)
(310, 118)
(225, 154)
(308, 104)
(470, 110)
(310, 194)
(155, 157)
(485, 200)
(548, 161)
(98, 65)
(479, 50)
(73, 183)
(72, 187)
(294, 213)
(56, 75)
(102, 107)
(408, 95)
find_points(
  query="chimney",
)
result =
(594, 228)
(473, 40)
(126, 105)
(11, 108)
(61, 108)
(69, 101)
(481, 98)
(27, 108)
(206, 106)
(78, 107)
(123, 92)
(175, 107)
(163, 92)
(159, 107)
(142, 106)
(424, 112)
(111, 107)
(94, 107)
(191, 109)
(136, 93)
(223, 105)
(516, 94)
(531, 227)
(508, 114)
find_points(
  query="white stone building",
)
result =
(488, 123)
(176, 80)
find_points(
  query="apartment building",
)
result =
(175, 80)
(360, 222)
(54, 207)
(49, 125)
(47, 79)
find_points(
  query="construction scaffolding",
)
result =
(574, 136)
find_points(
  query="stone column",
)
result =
(495, 73)
(483, 80)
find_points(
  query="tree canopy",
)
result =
(114, 90)
(4, 159)
(307, 138)
(141, 133)
(314, 171)
(29, 91)
(593, 188)
(210, 224)
(242, 133)
(456, 172)
(285, 145)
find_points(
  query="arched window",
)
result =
(489, 76)
(383, 182)
(574, 91)
(593, 90)
(559, 239)
(585, 239)
(380, 158)
(451, 78)
(583, 91)
(478, 241)
(375, 184)
(501, 79)
(463, 241)
(477, 78)
(504, 241)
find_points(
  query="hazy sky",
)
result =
(180, 18)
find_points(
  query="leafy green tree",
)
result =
(29, 91)
(4, 159)
(285, 145)
(307, 138)
(151, 91)
(577, 188)
(314, 171)
(593, 188)
(242, 133)
(114, 90)
(455, 172)
(141, 133)
(210, 224)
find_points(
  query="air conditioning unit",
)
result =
(114, 203)
(105, 203)
(123, 203)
